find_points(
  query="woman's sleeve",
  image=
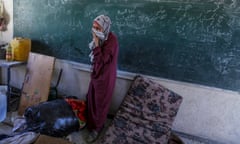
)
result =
(103, 56)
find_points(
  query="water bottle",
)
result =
(9, 53)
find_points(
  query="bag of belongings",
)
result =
(3, 21)
(54, 118)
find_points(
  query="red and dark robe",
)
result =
(103, 78)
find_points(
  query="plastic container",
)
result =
(21, 48)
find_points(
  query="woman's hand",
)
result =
(95, 39)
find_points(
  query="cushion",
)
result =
(146, 114)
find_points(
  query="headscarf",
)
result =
(105, 22)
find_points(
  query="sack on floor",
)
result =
(53, 118)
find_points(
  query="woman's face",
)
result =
(97, 27)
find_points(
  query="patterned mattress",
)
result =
(145, 116)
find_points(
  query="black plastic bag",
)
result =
(53, 118)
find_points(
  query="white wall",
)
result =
(206, 111)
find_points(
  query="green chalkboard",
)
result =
(195, 41)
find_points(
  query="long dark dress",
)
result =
(103, 78)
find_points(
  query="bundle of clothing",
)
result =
(3, 20)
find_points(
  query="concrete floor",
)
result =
(80, 136)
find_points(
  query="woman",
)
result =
(104, 55)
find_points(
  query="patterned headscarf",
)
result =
(105, 22)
